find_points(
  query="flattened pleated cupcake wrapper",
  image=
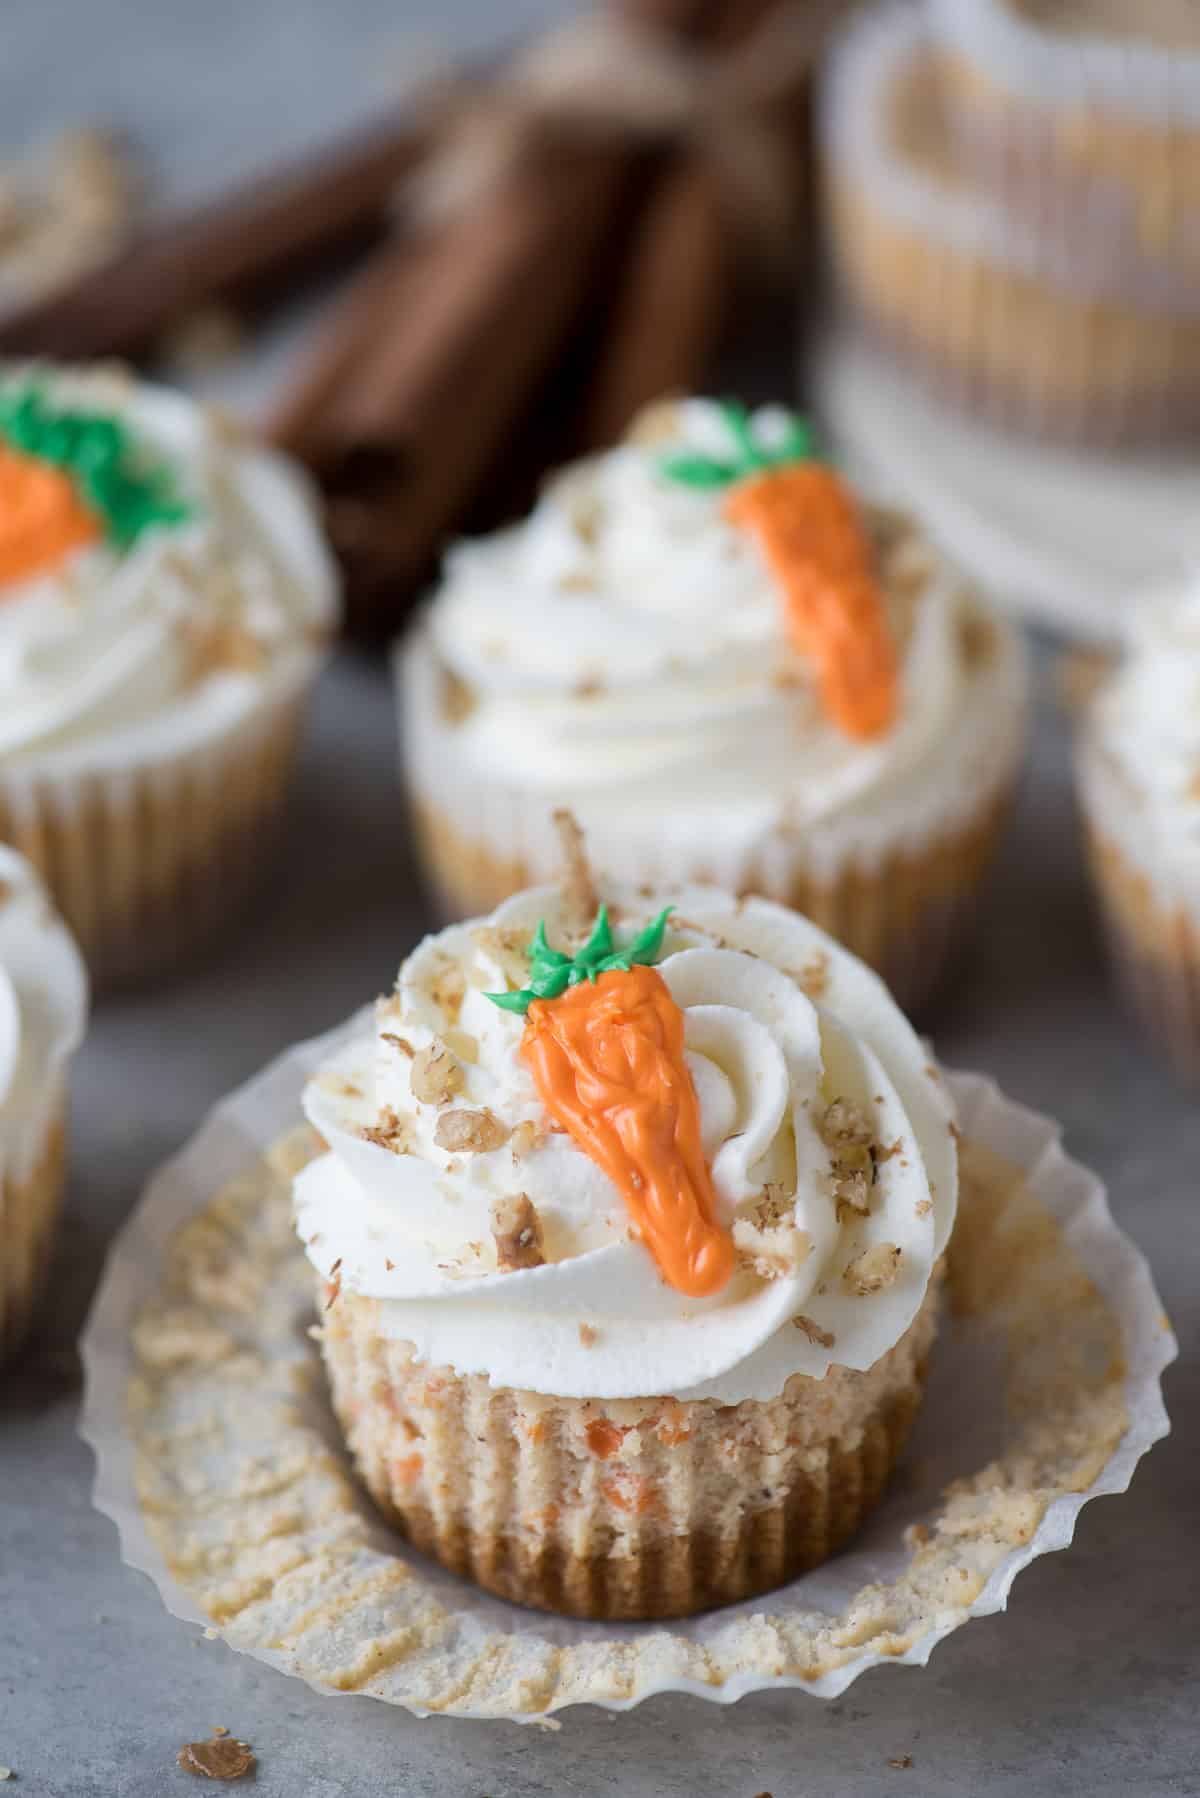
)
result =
(627, 1509)
(232, 1487)
(32, 1172)
(1005, 294)
(147, 860)
(1151, 923)
(898, 887)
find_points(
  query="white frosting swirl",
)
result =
(410, 1225)
(625, 648)
(115, 654)
(1147, 718)
(43, 1003)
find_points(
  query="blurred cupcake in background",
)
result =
(1139, 785)
(1014, 211)
(732, 670)
(43, 1004)
(165, 602)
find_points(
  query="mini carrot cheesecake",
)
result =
(43, 1005)
(164, 602)
(1138, 768)
(628, 1241)
(732, 668)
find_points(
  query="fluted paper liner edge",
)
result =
(281, 1552)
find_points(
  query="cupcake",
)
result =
(43, 1004)
(165, 599)
(731, 670)
(1138, 769)
(1010, 273)
(628, 1238)
(1085, 114)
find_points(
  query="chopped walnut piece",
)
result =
(847, 1135)
(458, 699)
(813, 977)
(579, 895)
(398, 1042)
(821, 1338)
(772, 1250)
(873, 1270)
(525, 1139)
(473, 1131)
(462, 1044)
(656, 424)
(518, 1233)
(448, 988)
(435, 1076)
(589, 1336)
(901, 1762)
(391, 1132)
(224, 1757)
(773, 1204)
(508, 947)
(923, 1207)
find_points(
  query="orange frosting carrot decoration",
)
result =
(808, 526)
(42, 520)
(68, 478)
(604, 1042)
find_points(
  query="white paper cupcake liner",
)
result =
(1135, 79)
(1004, 292)
(1147, 887)
(219, 1463)
(975, 766)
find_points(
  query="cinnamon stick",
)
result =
(667, 317)
(400, 432)
(429, 365)
(269, 231)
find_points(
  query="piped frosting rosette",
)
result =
(495, 1245)
(732, 669)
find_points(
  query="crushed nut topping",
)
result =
(517, 1230)
(589, 1336)
(398, 1042)
(821, 1338)
(923, 1207)
(873, 1270)
(458, 699)
(436, 1076)
(847, 1135)
(473, 1131)
(813, 977)
(462, 1044)
(448, 988)
(508, 947)
(391, 1132)
(771, 1250)
(580, 899)
(224, 1757)
(525, 1139)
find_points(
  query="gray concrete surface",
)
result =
(1087, 1686)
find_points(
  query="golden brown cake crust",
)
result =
(620, 1509)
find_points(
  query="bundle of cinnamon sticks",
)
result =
(589, 274)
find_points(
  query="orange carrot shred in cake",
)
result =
(604, 1042)
(807, 523)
